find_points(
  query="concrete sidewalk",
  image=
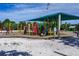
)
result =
(21, 35)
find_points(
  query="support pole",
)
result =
(59, 25)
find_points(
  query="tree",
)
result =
(65, 26)
(0, 25)
(22, 24)
(6, 23)
(13, 25)
(77, 27)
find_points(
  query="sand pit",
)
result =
(38, 47)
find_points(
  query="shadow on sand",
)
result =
(13, 53)
(71, 41)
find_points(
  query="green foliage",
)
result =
(0, 24)
(77, 27)
(6, 23)
(65, 26)
(22, 24)
(13, 25)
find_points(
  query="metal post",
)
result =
(59, 25)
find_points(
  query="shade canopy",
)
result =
(51, 17)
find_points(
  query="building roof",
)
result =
(51, 17)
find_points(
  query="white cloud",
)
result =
(22, 14)
(28, 13)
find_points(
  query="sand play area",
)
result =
(42, 47)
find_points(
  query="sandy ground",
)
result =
(40, 47)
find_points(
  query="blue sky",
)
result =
(27, 11)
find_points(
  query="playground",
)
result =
(49, 26)
(37, 30)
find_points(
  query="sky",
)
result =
(26, 11)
